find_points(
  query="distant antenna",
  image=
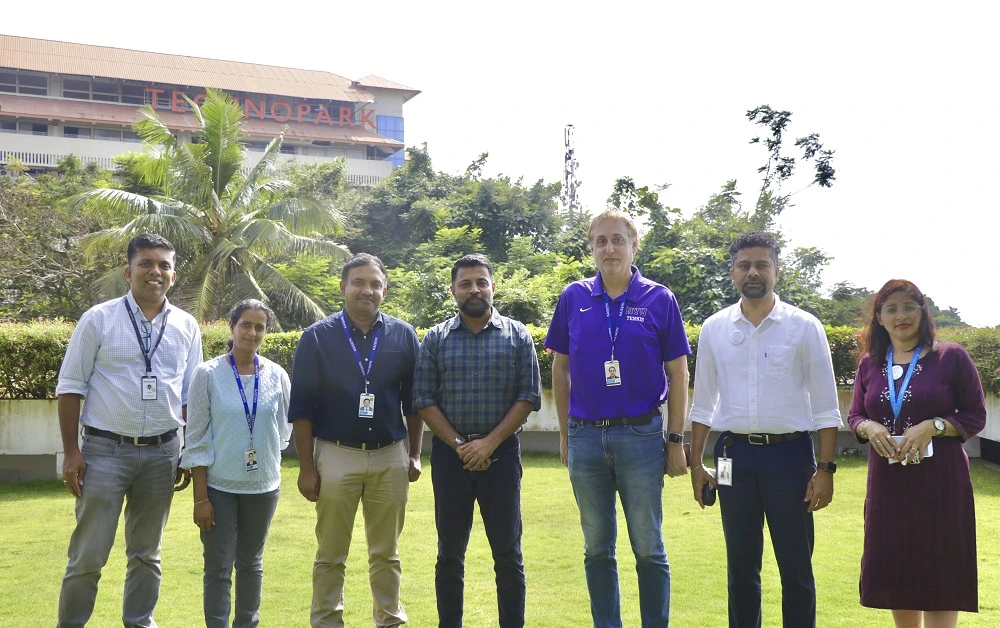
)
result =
(571, 184)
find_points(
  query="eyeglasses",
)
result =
(907, 308)
(146, 329)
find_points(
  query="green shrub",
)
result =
(984, 346)
(30, 356)
(31, 353)
(278, 346)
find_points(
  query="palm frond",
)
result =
(303, 215)
(187, 235)
(121, 204)
(271, 237)
(221, 132)
(111, 284)
(283, 293)
(259, 176)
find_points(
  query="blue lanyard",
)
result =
(357, 356)
(618, 325)
(251, 416)
(146, 355)
(896, 400)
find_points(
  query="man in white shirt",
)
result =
(131, 358)
(764, 379)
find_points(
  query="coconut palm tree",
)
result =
(229, 225)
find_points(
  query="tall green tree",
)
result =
(229, 227)
(41, 272)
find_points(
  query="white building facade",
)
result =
(59, 98)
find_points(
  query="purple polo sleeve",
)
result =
(557, 338)
(673, 341)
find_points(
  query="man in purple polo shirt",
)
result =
(618, 338)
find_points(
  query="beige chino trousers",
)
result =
(379, 480)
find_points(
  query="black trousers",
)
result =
(498, 491)
(769, 482)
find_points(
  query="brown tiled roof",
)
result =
(125, 115)
(43, 55)
(377, 81)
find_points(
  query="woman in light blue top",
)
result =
(237, 426)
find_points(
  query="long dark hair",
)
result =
(875, 339)
(243, 306)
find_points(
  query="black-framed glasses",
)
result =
(146, 334)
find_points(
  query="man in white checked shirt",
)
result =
(131, 358)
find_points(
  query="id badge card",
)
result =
(612, 373)
(148, 386)
(250, 458)
(724, 471)
(366, 406)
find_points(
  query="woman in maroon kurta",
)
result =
(920, 527)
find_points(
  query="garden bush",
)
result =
(31, 353)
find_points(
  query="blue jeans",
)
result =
(498, 491)
(237, 538)
(116, 471)
(627, 460)
(769, 481)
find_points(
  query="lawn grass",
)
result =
(36, 520)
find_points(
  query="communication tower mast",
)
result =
(568, 198)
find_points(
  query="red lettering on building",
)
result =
(288, 111)
(248, 106)
(366, 118)
(177, 101)
(155, 93)
(346, 115)
(280, 110)
(321, 114)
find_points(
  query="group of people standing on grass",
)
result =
(363, 386)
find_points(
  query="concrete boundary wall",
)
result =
(31, 446)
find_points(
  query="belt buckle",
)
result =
(757, 439)
(603, 423)
(364, 446)
(135, 441)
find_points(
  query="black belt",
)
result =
(642, 419)
(767, 439)
(363, 446)
(138, 441)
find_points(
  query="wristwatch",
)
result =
(829, 467)
(939, 426)
(458, 442)
(675, 438)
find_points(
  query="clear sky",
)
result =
(905, 92)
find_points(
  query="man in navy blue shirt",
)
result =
(352, 383)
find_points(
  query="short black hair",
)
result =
(753, 239)
(363, 259)
(468, 261)
(148, 241)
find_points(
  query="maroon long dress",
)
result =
(920, 520)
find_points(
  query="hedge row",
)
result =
(30, 353)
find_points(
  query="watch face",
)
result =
(828, 466)
(674, 437)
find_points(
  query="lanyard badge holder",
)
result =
(892, 373)
(250, 453)
(147, 383)
(366, 401)
(612, 369)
